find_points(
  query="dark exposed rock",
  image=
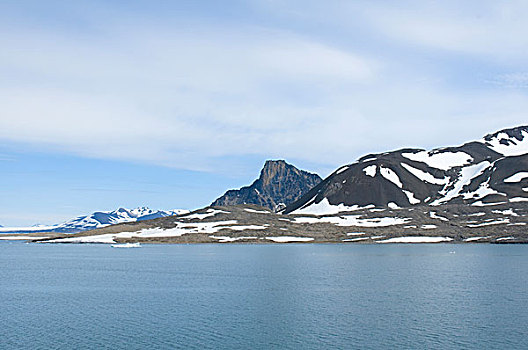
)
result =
(278, 185)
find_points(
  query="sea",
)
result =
(264, 296)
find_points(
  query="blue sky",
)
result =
(169, 103)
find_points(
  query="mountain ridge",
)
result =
(98, 219)
(468, 174)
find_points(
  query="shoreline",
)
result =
(266, 242)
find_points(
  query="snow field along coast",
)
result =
(417, 239)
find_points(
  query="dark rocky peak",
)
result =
(275, 172)
(278, 185)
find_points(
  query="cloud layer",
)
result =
(191, 92)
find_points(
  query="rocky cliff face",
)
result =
(278, 185)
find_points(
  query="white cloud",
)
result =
(191, 96)
(518, 80)
(167, 98)
(492, 29)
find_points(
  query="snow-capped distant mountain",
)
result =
(27, 229)
(98, 219)
(491, 170)
(121, 215)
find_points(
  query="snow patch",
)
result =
(481, 192)
(390, 175)
(393, 205)
(411, 197)
(256, 211)
(488, 223)
(425, 176)
(370, 170)
(355, 239)
(226, 239)
(368, 159)
(505, 212)
(417, 239)
(471, 239)
(518, 177)
(465, 176)
(325, 208)
(433, 215)
(355, 233)
(243, 228)
(208, 213)
(287, 239)
(481, 204)
(440, 160)
(342, 169)
(429, 226)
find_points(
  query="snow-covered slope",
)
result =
(483, 172)
(97, 220)
(508, 142)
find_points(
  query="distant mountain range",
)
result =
(278, 185)
(98, 219)
(488, 171)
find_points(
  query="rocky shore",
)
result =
(252, 224)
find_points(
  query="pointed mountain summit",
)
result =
(278, 185)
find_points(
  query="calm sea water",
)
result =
(263, 296)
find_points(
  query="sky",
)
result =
(167, 104)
